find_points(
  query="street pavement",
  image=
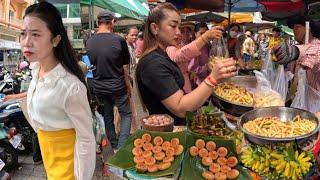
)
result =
(28, 171)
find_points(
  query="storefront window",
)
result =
(63, 9)
(74, 10)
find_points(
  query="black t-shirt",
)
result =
(158, 78)
(108, 52)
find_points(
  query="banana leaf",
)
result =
(124, 157)
(192, 167)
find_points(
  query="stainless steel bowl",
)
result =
(248, 82)
(285, 114)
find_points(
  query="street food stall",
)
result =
(245, 132)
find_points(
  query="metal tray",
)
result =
(248, 82)
(285, 114)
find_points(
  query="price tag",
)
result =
(2, 164)
(15, 140)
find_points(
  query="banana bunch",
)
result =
(291, 168)
(258, 161)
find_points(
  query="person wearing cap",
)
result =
(187, 50)
(109, 55)
(248, 47)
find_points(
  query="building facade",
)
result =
(71, 17)
(11, 15)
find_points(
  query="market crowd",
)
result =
(167, 60)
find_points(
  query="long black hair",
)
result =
(63, 51)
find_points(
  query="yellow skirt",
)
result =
(57, 150)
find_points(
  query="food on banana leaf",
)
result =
(156, 156)
(219, 164)
(208, 121)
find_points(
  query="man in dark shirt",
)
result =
(158, 77)
(109, 54)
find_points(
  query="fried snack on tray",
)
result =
(274, 127)
(234, 94)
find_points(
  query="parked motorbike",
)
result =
(19, 129)
(8, 153)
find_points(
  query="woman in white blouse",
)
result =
(57, 98)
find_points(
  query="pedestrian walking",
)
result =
(109, 55)
(57, 100)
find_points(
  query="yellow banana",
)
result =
(261, 167)
(306, 159)
(293, 174)
(280, 167)
(277, 156)
(293, 164)
(301, 155)
(296, 155)
(275, 162)
(298, 172)
(287, 170)
(256, 165)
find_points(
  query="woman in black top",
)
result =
(159, 79)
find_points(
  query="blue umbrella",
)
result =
(243, 6)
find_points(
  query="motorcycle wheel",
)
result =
(10, 156)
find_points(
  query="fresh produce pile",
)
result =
(155, 156)
(208, 121)
(277, 163)
(220, 165)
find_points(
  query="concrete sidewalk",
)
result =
(28, 171)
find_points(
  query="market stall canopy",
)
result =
(207, 5)
(206, 17)
(130, 8)
(238, 18)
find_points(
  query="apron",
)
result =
(57, 150)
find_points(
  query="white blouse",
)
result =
(59, 101)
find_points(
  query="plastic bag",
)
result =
(218, 49)
(264, 96)
(281, 82)
(268, 68)
(99, 127)
(306, 98)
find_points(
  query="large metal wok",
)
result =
(285, 114)
(248, 82)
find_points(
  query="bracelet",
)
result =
(206, 81)
(212, 80)
(209, 82)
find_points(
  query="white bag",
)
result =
(264, 96)
(281, 82)
(306, 98)
(268, 68)
(99, 127)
